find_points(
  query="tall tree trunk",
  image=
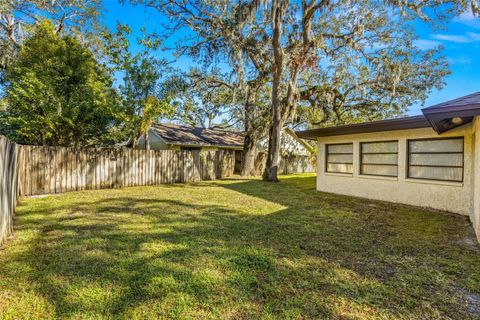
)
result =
(248, 156)
(273, 158)
(250, 141)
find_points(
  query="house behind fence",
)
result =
(297, 156)
(44, 170)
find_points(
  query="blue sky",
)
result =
(460, 39)
(461, 42)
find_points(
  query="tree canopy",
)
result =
(144, 98)
(58, 94)
(340, 61)
(18, 19)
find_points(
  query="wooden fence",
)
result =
(36, 170)
(297, 164)
(288, 164)
(46, 170)
(9, 164)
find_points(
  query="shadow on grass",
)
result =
(309, 255)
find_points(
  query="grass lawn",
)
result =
(236, 249)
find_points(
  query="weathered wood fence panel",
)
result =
(296, 164)
(57, 169)
(288, 164)
(9, 165)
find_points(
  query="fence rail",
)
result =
(46, 170)
(9, 164)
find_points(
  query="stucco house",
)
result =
(180, 137)
(431, 160)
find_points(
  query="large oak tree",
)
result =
(292, 47)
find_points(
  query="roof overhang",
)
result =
(366, 127)
(444, 119)
(193, 145)
(441, 118)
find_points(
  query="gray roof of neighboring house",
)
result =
(189, 136)
(441, 117)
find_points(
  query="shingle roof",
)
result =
(463, 109)
(189, 136)
(471, 100)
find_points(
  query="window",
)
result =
(379, 158)
(339, 158)
(436, 159)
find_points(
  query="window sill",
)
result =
(339, 174)
(364, 176)
(436, 182)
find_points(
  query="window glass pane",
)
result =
(340, 158)
(340, 148)
(382, 170)
(379, 147)
(436, 173)
(437, 159)
(380, 158)
(343, 168)
(444, 145)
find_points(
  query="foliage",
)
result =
(383, 76)
(58, 94)
(298, 48)
(236, 249)
(19, 17)
(202, 98)
(143, 99)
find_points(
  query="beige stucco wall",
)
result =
(449, 196)
(475, 214)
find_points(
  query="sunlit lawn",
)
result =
(236, 249)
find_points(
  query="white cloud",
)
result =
(453, 38)
(425, 44)
(474, 36)
(468, 19)
(459, 60)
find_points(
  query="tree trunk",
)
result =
(248, 156)
(273, 158)
(249, 143)
(271, 168)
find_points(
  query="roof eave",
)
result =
(204, 145)
(367, 127)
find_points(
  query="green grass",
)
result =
(236, 249)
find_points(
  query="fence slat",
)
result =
(57, 169)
